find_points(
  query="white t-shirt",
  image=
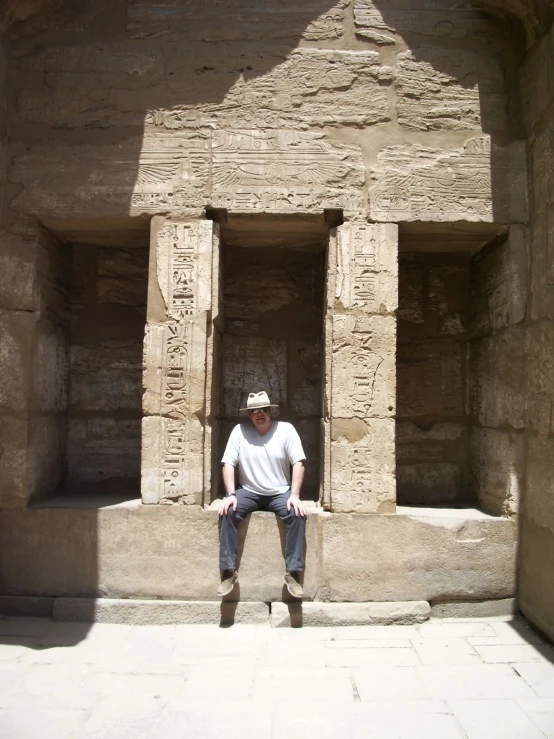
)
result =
(264, 460)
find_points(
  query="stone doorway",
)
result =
(461, 298)
(272, 297)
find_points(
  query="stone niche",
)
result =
(458, 432)
(273, 284)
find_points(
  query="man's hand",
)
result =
(226, 503)
(295, 503)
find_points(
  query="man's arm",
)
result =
(228, 474)
(295, 487)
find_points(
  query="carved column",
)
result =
(361, 368)
(176, 347)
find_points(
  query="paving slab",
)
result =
(498, 718)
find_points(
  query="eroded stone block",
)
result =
(363, 366)
(103, 448)
(14, 440)
(276, 171)
(430, 483)
(537, 503)
(16, 359)
(477, 182)
(362, 465)
(537, 367)
(498, 464)
(450, 89)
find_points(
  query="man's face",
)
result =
(261, 419)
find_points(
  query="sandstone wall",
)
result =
(499, 297)
(108, 314)
(432, 445)
(536, 559)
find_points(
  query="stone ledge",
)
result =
(349, 614)
(154, 612)
(475, 609)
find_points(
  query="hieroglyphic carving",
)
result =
(367, 267)
(284, 171)
(177, 348)
(415, 182)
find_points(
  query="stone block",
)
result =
(50, 371)
(539, 481)
(14, 462)
(436, 554)
(363, 366)
(475, 609)
(450, 89)
(172, 460)
(430, 483)
(536, 78)
(46, 455)
(283, 170)
(17, 331)
(309, 430)
(17, 277)
(367, 267)
(535, 584)
(26, 606)
(499, 284)
(362, 465)
(158, 612)
(348, 614)
(541, 282)
(101, 448)
(476, 182)
(100, 552)
(430, 380)
(499, 371)
(384, 26)
(106, 378)
(498, 470)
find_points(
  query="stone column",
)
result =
(361, 368)
(176, 347)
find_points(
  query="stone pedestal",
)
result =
(360, 368)
(178, 361)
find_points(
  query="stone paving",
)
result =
(444, 679)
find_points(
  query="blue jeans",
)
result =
(247, 502)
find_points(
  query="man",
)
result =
(265, 451)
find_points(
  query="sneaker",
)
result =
(230, 577)
(293, 585)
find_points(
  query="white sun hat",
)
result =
(258, 400)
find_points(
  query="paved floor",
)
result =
(442, 680)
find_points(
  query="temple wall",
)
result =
(536, 586)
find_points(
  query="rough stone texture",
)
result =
(473, 182)
(436, 552)
(158, 612)
(348, 614)
(360, 383)
(432, 372)
(26, 606)
(475, 609)
(108, 312)
(101, 552)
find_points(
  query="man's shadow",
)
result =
(230, 602)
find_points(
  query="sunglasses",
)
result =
(259, 410)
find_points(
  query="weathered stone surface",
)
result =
(16, 342)
(435, 554)
(102, 552)
(154, 612)
(475, 609)
(498, 469)
(102, 448)
(477, 182)
(430, 378)
(14, 479)
(539, 480)
(431, 483)
(384, 24)
(348, 614)
(362, 465)
(364, 366)
(283, 171)
(536, 587)
(499, 369)
(450, 89)
(26, 606)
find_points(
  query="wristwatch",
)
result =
(228, 495)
